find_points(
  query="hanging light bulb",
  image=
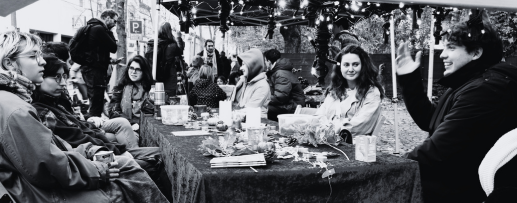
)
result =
(401, 5)
(330, 26)
(368, 3)
(294, 17)
(322, 18)
(227, 22)
(351, 16)
(418, 22)
(303, 17)
(346, 6)
(260, 6)
(232, 23)
(328, 18)
(231, 11)
(270, 15)
(241, 2)
(355, 7)
(179, 2)
(377, 4)
(195, 16)
(469, 34)
(363, 10)
(483, 31)
(438, 12)
(388, 32)
(360, 3)
(281, 3)
(336, 3)
(194, 10)
(317, 22)
(219, 11)
(240, 12)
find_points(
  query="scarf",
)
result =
(17, 84)
(213, 58)
(132, 93)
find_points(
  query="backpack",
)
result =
(79, 47)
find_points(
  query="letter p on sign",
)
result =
(136, 27)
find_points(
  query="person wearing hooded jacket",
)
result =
(286, 90)
(253, 88)
(477, 109)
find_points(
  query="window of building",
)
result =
(65, 39)
(45, 36)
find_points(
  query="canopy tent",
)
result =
(9, 6)
(322, 14)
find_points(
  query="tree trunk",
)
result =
(120, 8)
(292, 38)
(121, 30)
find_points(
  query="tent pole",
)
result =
(394, 79)
(156, 28)
(431, 63)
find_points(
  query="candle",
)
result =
(225, 112)
(253, 116)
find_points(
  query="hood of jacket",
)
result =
(254, 59)
(281, 64)
(95, 21)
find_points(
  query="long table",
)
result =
(389, 179)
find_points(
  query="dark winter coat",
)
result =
(169, 54)
(477, 109)
(102, 42)
(286, 90)
(75, 133)
(206, 93)
(223, 68)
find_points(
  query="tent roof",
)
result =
(252, 15)
(9, 6)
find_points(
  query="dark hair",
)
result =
(272, 55)
(209, 40)
(470, 34)
(232, 79)
(53, 64)
(60, 49)
(109, 12)
(368, 75)
(222, 78)
(147, 77)
(165, 32)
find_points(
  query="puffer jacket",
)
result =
(286, 90)
(39, 167)
(102, 42)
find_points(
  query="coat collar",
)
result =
(464, 74)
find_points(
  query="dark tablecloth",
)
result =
(390, 179)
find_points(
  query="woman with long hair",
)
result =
(131, 94)
(169, 54)
(353, 98)
(37, 165)
(205, 91)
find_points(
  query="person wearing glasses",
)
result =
(131, 94)
(38, 166)
(101, 41)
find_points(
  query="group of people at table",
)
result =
(46, 150)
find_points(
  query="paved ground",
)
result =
(410, 134)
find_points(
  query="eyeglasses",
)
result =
(138, 70)
(58, 77)
(36, 55)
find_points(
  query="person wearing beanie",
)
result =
(253, 89)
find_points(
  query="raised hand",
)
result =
(405, 63)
